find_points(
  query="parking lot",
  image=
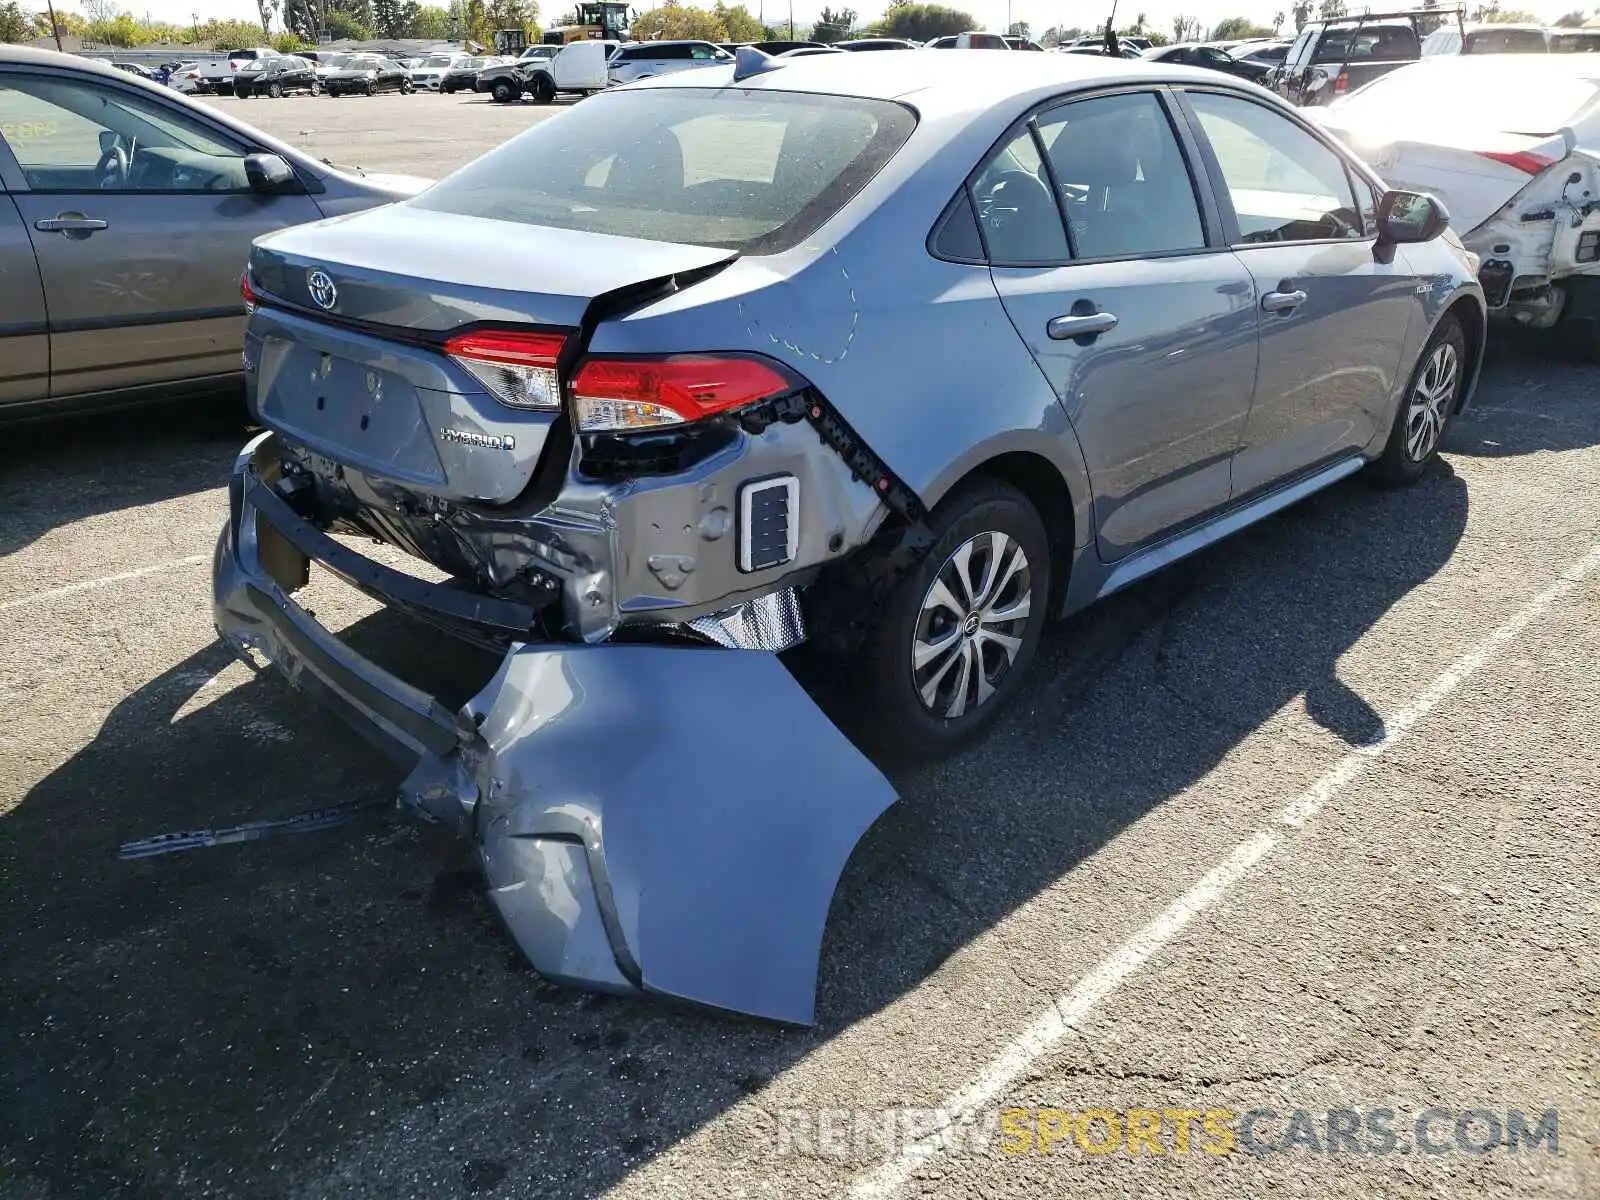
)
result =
(1305, 823)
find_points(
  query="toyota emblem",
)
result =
(323, 293)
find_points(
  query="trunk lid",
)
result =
(1473, 173)
(345, 350)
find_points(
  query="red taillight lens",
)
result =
(615, 395)
(1522, 160)
(248, 292)
(1341, 83)
(518, 366)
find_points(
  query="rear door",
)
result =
(1141, 319)
(1332, 316)
(24, 334)
(140, 217)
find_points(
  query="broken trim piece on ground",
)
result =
(623, 800)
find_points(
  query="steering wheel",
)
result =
(1005, 194)
(112, 169)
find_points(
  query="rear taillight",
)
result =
(1522, 160)
(248, 292)
(1341, 83)
(519, 367)
(618, 395)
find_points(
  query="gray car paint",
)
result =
(930, 362)
(24, 335)
(153, 298)
(635, 826)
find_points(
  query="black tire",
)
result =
(544, 89)
(1431, 397)
(407, 87)
(897, 719)
(275, 90)
(316, 87)
(371, 89)
(503, 92)
(334, 92)
(447, 91)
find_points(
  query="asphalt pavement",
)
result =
(1302, 828)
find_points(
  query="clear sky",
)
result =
(991, 14)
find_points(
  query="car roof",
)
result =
(668, 42)
(985, 76)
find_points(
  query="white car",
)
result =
(1511, 144)
(642, 60)
(427, 74)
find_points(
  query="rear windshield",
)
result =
(1363, 42)
(1504, 41)
(756, 171)
(1587, 42)
(1406, 103)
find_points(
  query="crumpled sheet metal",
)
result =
(665, 820)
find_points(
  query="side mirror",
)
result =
(1405, 217)
(267, 172)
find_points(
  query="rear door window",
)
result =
(1123, 179)
(755, 171)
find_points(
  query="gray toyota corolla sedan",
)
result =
(126, 214)
(904, 361)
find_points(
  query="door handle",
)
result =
(69, 223)
(1282, 301)
(1080, 325)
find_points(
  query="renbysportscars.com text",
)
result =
(864, 1135)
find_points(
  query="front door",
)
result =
(1332, 316)
(1146, 332)
(141, 219)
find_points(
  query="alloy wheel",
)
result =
(971, 624)
(1429, 406)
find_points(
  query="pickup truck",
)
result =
(1333, 57)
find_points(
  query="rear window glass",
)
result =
(755, 172)
(1504, 41)
(1360, 43)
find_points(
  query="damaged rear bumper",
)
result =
(650, 819)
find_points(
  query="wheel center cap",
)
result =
(970, 625)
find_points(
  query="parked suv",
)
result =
(1332, 58)
(642, 60)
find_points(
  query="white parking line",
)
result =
(90, 585)
(1067, 1012)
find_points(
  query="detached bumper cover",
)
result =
(650, 819)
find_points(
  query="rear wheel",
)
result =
(503, 92)
(316, 88)
(275, 90)
(544, 89)
(1429, 403)
(957, 635)
(407, 87)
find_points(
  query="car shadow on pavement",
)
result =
(340, 1013)
(55, 472)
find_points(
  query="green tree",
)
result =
(1235, 29)
(673, 21)
(1572, 20)
(121, 30)
(342, 25)
(738, 24)
(1019, 29)
(1186, 29)
(268, 9)
(833, 26)
(922, 22)
(1302, 13)
(1329, 9)
(288, 42)
(15, 26)
(431, 22)
(1511, 16)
